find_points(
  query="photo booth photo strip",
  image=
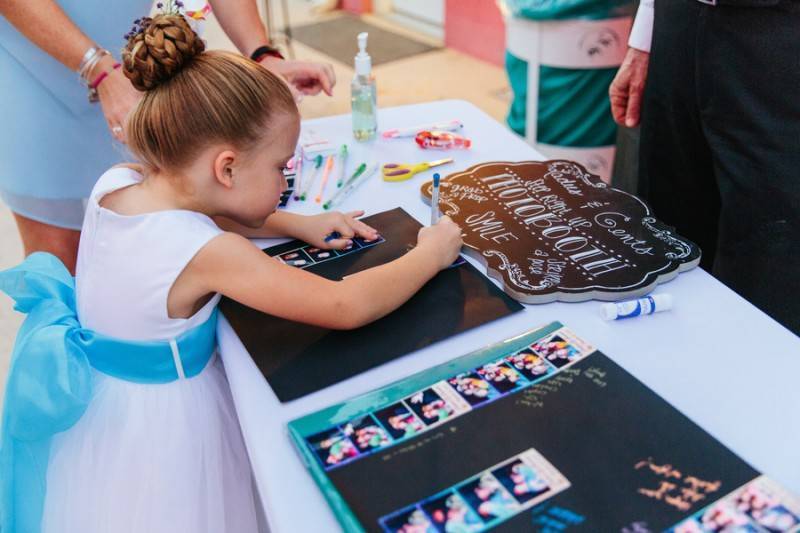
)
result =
(552, 231)
(536, 432)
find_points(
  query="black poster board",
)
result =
(540, 432)
(298, 359)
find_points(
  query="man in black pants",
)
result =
(720, 136)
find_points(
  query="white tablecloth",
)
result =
(722, 362)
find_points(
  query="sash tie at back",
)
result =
(50, 378)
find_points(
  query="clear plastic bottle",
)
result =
(363, 97)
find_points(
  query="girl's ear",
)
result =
(224, 168)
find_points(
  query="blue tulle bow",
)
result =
(50, 378)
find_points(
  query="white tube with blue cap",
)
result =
(648, 305)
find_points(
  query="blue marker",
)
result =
(435, 200)
(333, 236)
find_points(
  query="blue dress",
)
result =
(54, 143)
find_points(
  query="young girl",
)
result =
(158, 447)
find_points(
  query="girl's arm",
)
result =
(311, 229)
(278, 224)
(231, 265)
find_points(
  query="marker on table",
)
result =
(396, 133)
(298, 174)
(312, 179)
(648, 305)
(325, 175)
(435, 200)
(359, 170)
(351, 185)
(343, 163)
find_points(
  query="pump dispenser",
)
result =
(363, 94)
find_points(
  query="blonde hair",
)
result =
(194, 97)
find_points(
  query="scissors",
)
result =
(402, 172)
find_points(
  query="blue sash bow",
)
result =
(50, 378)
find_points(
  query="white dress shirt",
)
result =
(642, 30)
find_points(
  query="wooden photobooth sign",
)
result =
(550, 230)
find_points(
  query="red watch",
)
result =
(266, 50)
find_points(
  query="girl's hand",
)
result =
(314, 229)
(442, 241)
(117, 97)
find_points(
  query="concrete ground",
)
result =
(434, 75)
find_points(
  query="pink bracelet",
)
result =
(103, 75)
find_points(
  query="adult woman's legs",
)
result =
(40, 237)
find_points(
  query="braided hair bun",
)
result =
(160, 48)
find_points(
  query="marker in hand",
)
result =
(435, 200)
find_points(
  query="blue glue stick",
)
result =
(631, 308)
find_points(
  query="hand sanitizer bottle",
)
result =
(363, 97)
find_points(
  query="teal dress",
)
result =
(54, 143)
(574, 109)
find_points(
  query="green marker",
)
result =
(360, 170)
(343, 162)
(307, 186)
(362, 174)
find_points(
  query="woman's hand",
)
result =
(117, 97)
(314, 229)
(303, 76)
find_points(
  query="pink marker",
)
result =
(453, 125)
(298, 174)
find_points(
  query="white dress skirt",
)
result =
(152, 458)
(147, 458)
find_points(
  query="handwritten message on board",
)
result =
(550, 230)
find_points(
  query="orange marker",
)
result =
(325, 174)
